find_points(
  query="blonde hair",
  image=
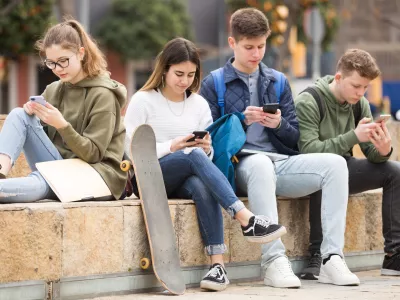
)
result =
(71, 35)
(174, 52)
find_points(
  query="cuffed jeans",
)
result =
(193, 176)
(22, 132)
(363, 176)
(299, 175)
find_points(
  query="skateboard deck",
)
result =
(154, 202)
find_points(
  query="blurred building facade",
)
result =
(371, 25)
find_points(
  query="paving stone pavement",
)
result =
(373, 287)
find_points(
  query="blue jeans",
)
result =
(298, 176)
(194, 176)
(22, 132)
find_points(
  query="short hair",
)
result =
(249, 23)
(360, 61)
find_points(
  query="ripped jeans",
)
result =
(22, 132)
(194, 176)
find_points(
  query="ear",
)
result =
(81, 53)
(232, 42)
(338, 76)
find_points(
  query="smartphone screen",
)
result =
(198, 135)
(271, 108)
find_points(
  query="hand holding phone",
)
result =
(198, 135)
(38, 99)
(271, 108)
(383, 118)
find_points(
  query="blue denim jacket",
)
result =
(237, 98)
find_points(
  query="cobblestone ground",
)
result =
(373, 287)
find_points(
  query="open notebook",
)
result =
(273, 156)
(73, 180)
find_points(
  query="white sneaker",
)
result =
(335, 271)
(280, 274)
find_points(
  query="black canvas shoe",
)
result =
(260, 230)
(215, 279)
(391, 265)
(311, 272)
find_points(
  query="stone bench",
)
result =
(74, 243)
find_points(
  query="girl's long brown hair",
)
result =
(71, 35)
(174, 52)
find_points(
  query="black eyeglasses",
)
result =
(62, 63)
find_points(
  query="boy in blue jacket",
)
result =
(249, 85)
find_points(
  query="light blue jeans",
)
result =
(22, 132)
(299, 175)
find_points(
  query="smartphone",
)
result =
(198, 135)
(38, 99)
(383, 118)
(271, 108)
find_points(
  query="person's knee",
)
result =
(196, 155)
(392, 169)
(336, 164)
(20, 114)
(260, 166)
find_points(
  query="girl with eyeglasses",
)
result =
(80, 118)
(169, 103)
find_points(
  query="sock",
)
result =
(328, 258)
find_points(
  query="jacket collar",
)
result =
(230, 73)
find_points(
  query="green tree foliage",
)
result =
(22, 25)
(138, 29)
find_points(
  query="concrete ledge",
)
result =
(50, 241)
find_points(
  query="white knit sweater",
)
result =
(152, 108)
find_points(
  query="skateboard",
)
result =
(154, 202)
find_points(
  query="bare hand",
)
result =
(28, 108)
(381, 139)
(204, 143)
(49, 115)
(364, 129)
(181, 142)
(272, 120)
(254, 114)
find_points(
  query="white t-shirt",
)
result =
(167, 118)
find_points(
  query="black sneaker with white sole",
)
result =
(260, 230)
(391, 265)
(215, 279)
(311, 272)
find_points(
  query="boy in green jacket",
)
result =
(335, 131)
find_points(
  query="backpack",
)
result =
(315, 93)
(220, 87)
(227, 133)
(228, 137)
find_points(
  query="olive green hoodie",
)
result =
(95, 132)
(335, 133)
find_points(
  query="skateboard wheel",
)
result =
(144, 263)
(125, 165)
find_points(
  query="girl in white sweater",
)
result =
(169, 104)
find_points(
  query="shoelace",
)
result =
(214, 272)
(262, 220)
(342, 266)
(315, 261)
(285, 267)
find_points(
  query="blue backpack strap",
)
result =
(279, 84)
(220, 88)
